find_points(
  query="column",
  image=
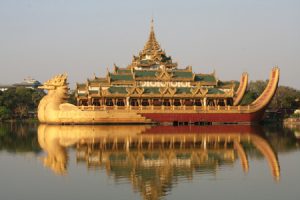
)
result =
(215, 102)
(127, 102)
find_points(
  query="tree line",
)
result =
(19, 137)
(20, 102)
(284, 98)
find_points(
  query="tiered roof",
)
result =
(127, 76)
(153, 65)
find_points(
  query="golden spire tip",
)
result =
(152, 24)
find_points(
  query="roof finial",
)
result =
(152, 24)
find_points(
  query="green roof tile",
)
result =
(182, 74)
(145, 73)
(181, 90)
(215, 91)
(121, 77)
(117, 90)
(205, 78)
(123, 71)
(151, 90)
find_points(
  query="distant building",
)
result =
(5, 87)
(27, 83)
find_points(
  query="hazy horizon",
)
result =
(42, 38)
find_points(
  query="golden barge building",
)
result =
(152, 89)
(153, 79)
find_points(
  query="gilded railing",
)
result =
(167, 108)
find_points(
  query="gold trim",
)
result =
(241, 90)
(265, 98)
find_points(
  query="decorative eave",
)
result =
(135, 91)
(164, 92)
(199, 91)
(164, 75)
(167, 91)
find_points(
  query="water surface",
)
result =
(146, 162)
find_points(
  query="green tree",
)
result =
(72, 98)
(36, 96)
(248, 98)
(19, 101)
(4, 113)
(253, 91)
(285, 97)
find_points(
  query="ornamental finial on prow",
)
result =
(57, 81)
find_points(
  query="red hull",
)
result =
(204, 117)
(217, 129)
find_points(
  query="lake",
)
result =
(148, 162)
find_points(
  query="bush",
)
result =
(5, 113)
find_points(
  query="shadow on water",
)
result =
(152, 158)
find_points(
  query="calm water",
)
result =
(144, 162)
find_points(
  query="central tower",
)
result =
(152, 56)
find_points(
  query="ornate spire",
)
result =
(152, 56)
(152, 25)
(151, 45)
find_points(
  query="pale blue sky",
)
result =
(40, 38)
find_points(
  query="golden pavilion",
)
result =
(153, 79)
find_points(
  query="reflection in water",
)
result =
(295, 128)
(19, 138)
(154, 158)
